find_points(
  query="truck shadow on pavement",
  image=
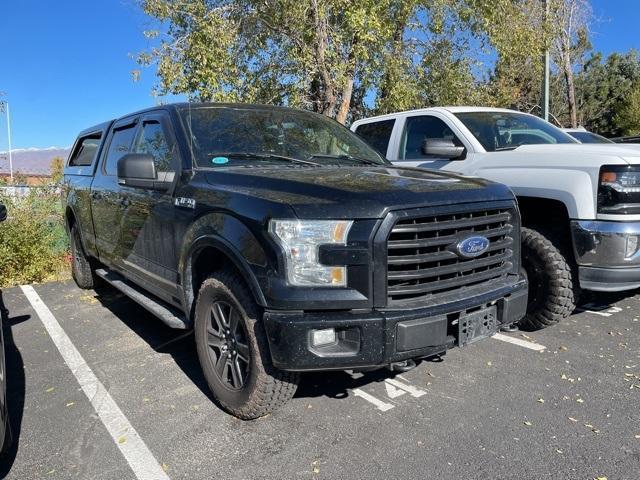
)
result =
(181, 346)
(16, 386)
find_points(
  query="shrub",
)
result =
(33, 243)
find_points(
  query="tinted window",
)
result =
(119, 146)
(419, 129)
(85, 151)
(224, 137)
(377, 134)
(507, 131)
(588, 137)
(153, 141)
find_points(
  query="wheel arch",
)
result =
(211, 253)
(537, 211)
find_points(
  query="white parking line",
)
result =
(410, 389)
(522, 343)
(132, 447)
(598, 309)
(380, 405)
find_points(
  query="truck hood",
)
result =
(591, 154)
(355, 192)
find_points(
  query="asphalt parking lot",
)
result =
(494, 409)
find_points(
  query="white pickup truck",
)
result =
(580, 203)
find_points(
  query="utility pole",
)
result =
(9, 138)
(544, 104)
(4, 105)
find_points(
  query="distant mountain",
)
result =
(32, 161)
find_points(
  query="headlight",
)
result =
(300, 241)
(619, 190)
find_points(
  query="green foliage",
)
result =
(628, 118)
(331, 55)
(603, 88)
(349, 59)
(57, 169)
(33, 242)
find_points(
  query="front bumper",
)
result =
(607, 254)
(379, 337)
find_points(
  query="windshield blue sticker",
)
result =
(219, 160)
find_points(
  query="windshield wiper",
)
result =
(264, 156)
(504, 149)
(347, 157)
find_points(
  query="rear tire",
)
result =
(233, 350)
(553, 287)
(81, 269)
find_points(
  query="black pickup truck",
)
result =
(287, 244)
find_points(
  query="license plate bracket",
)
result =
(477, 325)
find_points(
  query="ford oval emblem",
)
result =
(472, 246)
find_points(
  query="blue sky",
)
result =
(65, 65)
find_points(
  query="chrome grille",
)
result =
(421, 262)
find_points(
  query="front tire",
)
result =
(233, 350)
(553, 290)
(81, 269)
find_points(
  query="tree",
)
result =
(334, 56)
(627, 120)
(603, 87)
(570, 21)
(57, 169)
(312, 54)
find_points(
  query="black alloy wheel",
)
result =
(228, 345)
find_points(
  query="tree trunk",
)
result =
(345, 104)
(571, 92)
(326, 94)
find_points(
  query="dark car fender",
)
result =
(73, 209)
(236, 243)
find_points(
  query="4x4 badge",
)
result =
(185, 202)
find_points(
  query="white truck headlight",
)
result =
(300, 241)
(619, 190)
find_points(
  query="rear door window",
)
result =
(120, 145)
(377, 134)
(85, 151)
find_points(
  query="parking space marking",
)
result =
(410, 389)
(132, 447)
(599, 309)
(379, 404)
(522, 343)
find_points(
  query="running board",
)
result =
(164, 312)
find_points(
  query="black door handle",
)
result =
(96, 195)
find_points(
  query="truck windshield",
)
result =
(498, 131)
(244, 136)
(588, 137)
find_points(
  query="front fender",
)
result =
(233, 239)
(574, 188)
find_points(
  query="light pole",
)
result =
(544, 104)
(6, 108)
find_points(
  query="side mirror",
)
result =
(439, 147)
(139, 170)
(3, 213)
